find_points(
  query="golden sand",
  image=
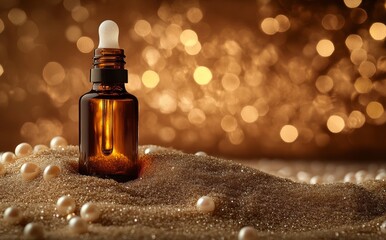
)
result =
(161, 203)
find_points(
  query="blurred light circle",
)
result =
(85, 44)
(53, 73)
(325, 48)
(202, 75)
(374, 110)
(142, 28)
(289, 133)
(378, 31)
(150, 79)
(270, 26)
(335, 124)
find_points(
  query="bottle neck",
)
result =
(108, 88)
(108, 67)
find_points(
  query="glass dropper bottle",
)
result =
(108, 114)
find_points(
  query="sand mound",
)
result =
(161, 203)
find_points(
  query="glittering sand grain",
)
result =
(161, 204)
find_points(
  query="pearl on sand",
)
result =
(7, 158)
(33, 231)
(150, 150)
(23, 149)
(381, 176)
(40, 147)
(65, 205)
(205, 204)
(78, 225)
(2, 169)
(200, 153)
(383, 227)
(29, 171)
(58, 141)
(12, 215)
(248, 233)
(90, 212)
(51, 171)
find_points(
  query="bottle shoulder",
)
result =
(108, 95)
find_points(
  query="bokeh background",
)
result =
(246, 79)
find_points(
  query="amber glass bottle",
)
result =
(108, 124)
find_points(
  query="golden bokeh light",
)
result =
(363, 85)
(85, 44)
(284, 23)
(270, 26)
(289, 133)
(352, 3)
(353, 41)
(236, 137)
(335, 124)
(142, 28)
(80, 14)
(367, 69)
(150, 79)
(374, 110)
(356, 119)
(249, 114)
(194, 15)
(228, 123)
(188, 37)
(1, 70)
(17, 16)
(202, 75)
(53, 73)
(358, 55)
(73, 33)
(2, 26)
(193, 50)
(196, 116)
(230, 82)
(325, 48)
(378, 31)
(324, 83)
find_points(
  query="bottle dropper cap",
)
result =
(108, 34)
(108, 66)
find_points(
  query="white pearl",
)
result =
(316, 180)
(65, 205)
(349, 178)
(248, 233)
(40, 147)
(58, 141)
(90, 212)
(200, 153)
(12, 215)
(51, 171)
(23, 149)
(8, 158)
(205, 204)
(383, 227)
(303, 177)
(2, 169)
(33, 231)
(78, 225)
(360, 176)
(381, 176)
(150, 150)
(29, 171)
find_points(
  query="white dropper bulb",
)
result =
(108, 34)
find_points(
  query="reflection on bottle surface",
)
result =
(107, 126)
